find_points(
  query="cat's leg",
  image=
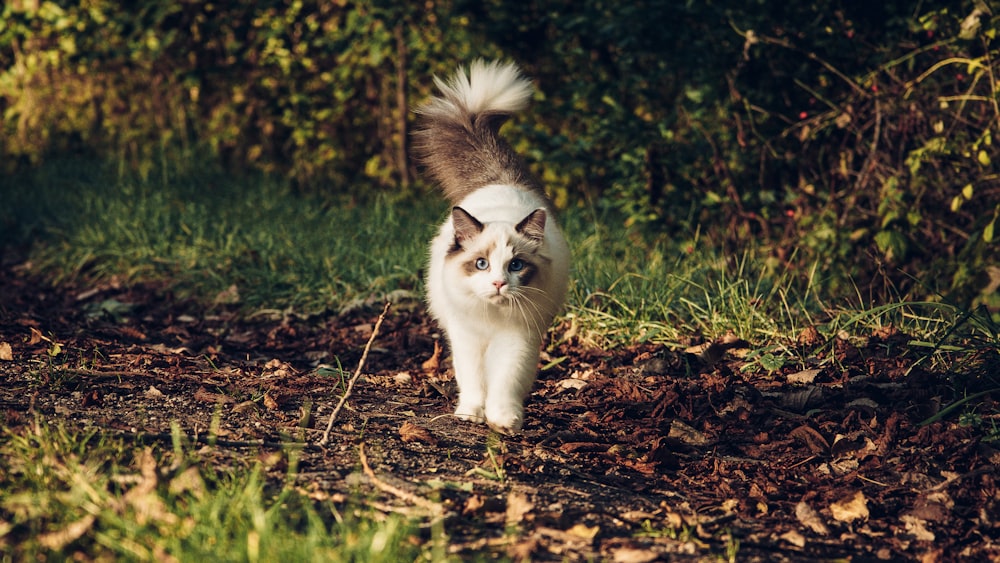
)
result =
(511, 367)
(467, 358)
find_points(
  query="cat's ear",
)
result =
(466, 226)
(533, 226)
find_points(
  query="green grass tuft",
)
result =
(204, 232)
(64, 492)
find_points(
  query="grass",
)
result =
(252, 243)
(67, 494)
(212, 237)
(206, 232)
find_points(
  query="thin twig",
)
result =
(386, 487)
(357, 374)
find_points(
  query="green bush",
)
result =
(319, 91)
(856, 136)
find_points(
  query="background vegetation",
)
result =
(756, 168)
(853, 136)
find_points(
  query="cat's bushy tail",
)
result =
(457, 136)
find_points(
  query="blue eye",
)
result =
(482, 263)
(516, 265)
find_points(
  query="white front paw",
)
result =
(505, 419)
(470, 412)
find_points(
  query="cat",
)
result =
(498, 268)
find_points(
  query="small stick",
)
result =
(405, 495)
(357, 374)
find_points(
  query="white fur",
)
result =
(493, 86)
(495, 337)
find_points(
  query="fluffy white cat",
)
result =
(499, 266)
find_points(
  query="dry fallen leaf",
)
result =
(687, 435)
(206, 396)
(522, 550)
(410, 432)
(804, 376)
(6, 352)
(813, 439)
(36, 336)
(850, 508)
(473, 505)
(434, 362)
(270, 402)
(935, 506)
(809, 337)
(571, 383)
(917, 527)
(632, 555)
(92, 398)
(163, 349)
(244, 407)
(584, 532)
(794, 538)
(517, 506)
(808, 517)
(885, 332)
(637, 515)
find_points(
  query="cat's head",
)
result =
(499, 262)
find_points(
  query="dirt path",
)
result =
(634, 454)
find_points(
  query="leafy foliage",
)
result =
(856, 136)
(317, 90)
(849, 134)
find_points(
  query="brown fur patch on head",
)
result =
(533, 226)
(466, 226)
(528, 272)
(524, 244)
(527, 250)
(469, 261)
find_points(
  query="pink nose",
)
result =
(499, 284)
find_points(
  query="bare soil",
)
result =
(633, 454)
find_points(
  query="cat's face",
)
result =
(499, 263)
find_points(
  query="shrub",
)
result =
(319, 91)
(856, 136)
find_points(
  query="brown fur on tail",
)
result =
(457, 137)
